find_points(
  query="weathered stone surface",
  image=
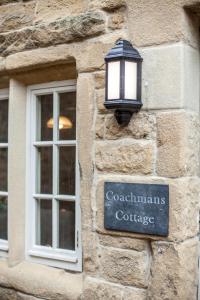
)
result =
(100, 126)
(178, 144)
(49, 9)
(129, 157)
(174, 271)
(175, 26)
(108, 5)
(94, 54)
(116, 21)
(100, 98)
(16, 16)
(183, 216)
(2, 2)
(95, 289)
(85, 120)
(7, 294)
(99, 78)
(56, 32)
(41, 281)
(134, 294)
(170, 63)
(21, 296)
(124, 266)
(141, 126)
(123, 242)
(90, 251)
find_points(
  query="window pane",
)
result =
(67, 157)
(45, 117)
(4, 121)
(67, 119)
(67, 225)
(45, 170)
(3, 218)
(44, 223)
(113, 80)
(3, 169)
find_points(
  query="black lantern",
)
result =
(123, 81)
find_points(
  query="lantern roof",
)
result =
(123, 49)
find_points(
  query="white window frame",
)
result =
(4, 94)
(65, 259)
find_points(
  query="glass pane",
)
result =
(44, 223)
(113, 80)
(3, 218)
(3, 169)
(67, 225)
(4, 121)
(67, 157)
(45, 170)
(45, 117)
(130, 80)
(67, 118)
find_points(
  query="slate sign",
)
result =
(133, 207)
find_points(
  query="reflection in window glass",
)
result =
(67, 156)
(3, 169)
(44, 223)
(45, 170)
(67, 118)
(66, 225)
(3, 218)
(45, 117)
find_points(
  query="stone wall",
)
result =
(160, 144)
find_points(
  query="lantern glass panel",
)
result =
(113, 80)
(130, 80)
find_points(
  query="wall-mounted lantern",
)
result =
(123, 81)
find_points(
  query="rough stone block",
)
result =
(141, 126)
(100, 126)
(95, 289)
(99, 78)
(16, 16)
(178, 144)
(174, 271)
(161, 24)
(183, 215)
(116, 21)
(108, 5)
(51, 9)
(134, 294)
(90, 250)
(127, 156)
(170, 77)
(66, 29)
(100, 98)
(8, 294)
(41, 281)
(123, 242)
(124, 266)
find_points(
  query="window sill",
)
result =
(48, 282)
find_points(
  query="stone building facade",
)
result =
(54, 40)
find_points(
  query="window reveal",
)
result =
(3, 170)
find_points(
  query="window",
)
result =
(3, 170)
(53, 195)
